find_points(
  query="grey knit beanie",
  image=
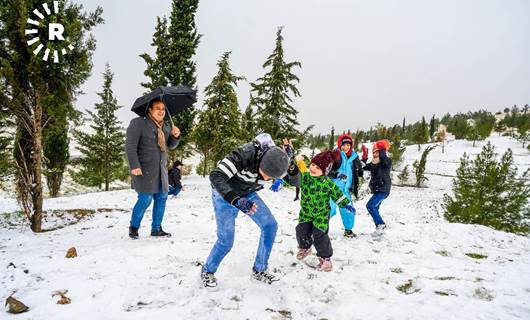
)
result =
(274, 163)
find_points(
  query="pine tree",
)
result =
(419, 167)
(175, 46)
(27, 80)
(396, 151)
(271, 95)
(490, 193)
(403, 176)
(103, 156)
(480, 126)
(458, 126)
(403, 129)
(248, 124)
(432, 127)
(218, 130)
(421, 133)
(331, 142)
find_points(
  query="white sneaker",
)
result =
(380, 229)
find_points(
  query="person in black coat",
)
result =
(147, 142)
(380, 182)
(174, 176)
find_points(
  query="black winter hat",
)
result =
(274, 163)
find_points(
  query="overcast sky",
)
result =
(363, 62)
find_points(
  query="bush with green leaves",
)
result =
(419, 167)
(490, 193)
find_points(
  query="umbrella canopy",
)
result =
(175, 98)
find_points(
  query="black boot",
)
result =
(160, 233)
(133, 233)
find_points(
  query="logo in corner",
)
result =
(55, 33)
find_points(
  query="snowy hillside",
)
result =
(423, 268)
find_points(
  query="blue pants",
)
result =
(225, 217)
(174, 190)
(348, 218)
(373, 206)
(143, 202)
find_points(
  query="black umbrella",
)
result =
(175, 98)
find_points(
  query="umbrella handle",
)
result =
(167, 110)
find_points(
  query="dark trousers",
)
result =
(307, 235)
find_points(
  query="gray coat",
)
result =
(142, 151)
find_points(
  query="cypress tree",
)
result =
(27, 79)
(175, 46)
(331, 142)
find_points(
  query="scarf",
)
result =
(160, 133)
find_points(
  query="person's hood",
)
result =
(341, 138)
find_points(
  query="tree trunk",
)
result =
(53, 181)
(205, 164)
(36, 218)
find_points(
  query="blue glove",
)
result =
(350, 208)
(342, 176)
(244, 205)
(276, 185)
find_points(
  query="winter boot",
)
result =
(303, 253)
(349, 234)
(324, 264)
(160, 233)
(208, 279)
(133, 233)
(264, 276)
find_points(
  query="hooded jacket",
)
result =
(348, 164)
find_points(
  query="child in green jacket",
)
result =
(317, 188)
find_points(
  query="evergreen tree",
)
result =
(331, 143)
(490, 193)
(103, 156)
(249, 124)
(419, 167)
(432, 127)
(175, 46)
(57, 111)
(403, 176)
(6, 147)
(403, 129)
(270, 95)
(27, 80)
(480, 126)
(421, 133)
(396, 151)
(458, 126)
(218, 130)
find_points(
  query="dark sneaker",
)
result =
(264, 276)
(208, 279)
(160, 233)
(349, 234)
(133, 233)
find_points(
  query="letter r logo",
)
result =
(55, 30)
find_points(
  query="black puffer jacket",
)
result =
(380, 173)
(238, 173)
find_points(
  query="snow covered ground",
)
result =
(423, 268)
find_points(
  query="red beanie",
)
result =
(324, 161)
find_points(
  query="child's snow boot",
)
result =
(325, 264)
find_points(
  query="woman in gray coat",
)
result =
(146, 144)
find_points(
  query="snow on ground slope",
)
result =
(423, 268)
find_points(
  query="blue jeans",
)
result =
(348, 218)
(174, 190)
(225, 217)
(143, 202)
(373, 206)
